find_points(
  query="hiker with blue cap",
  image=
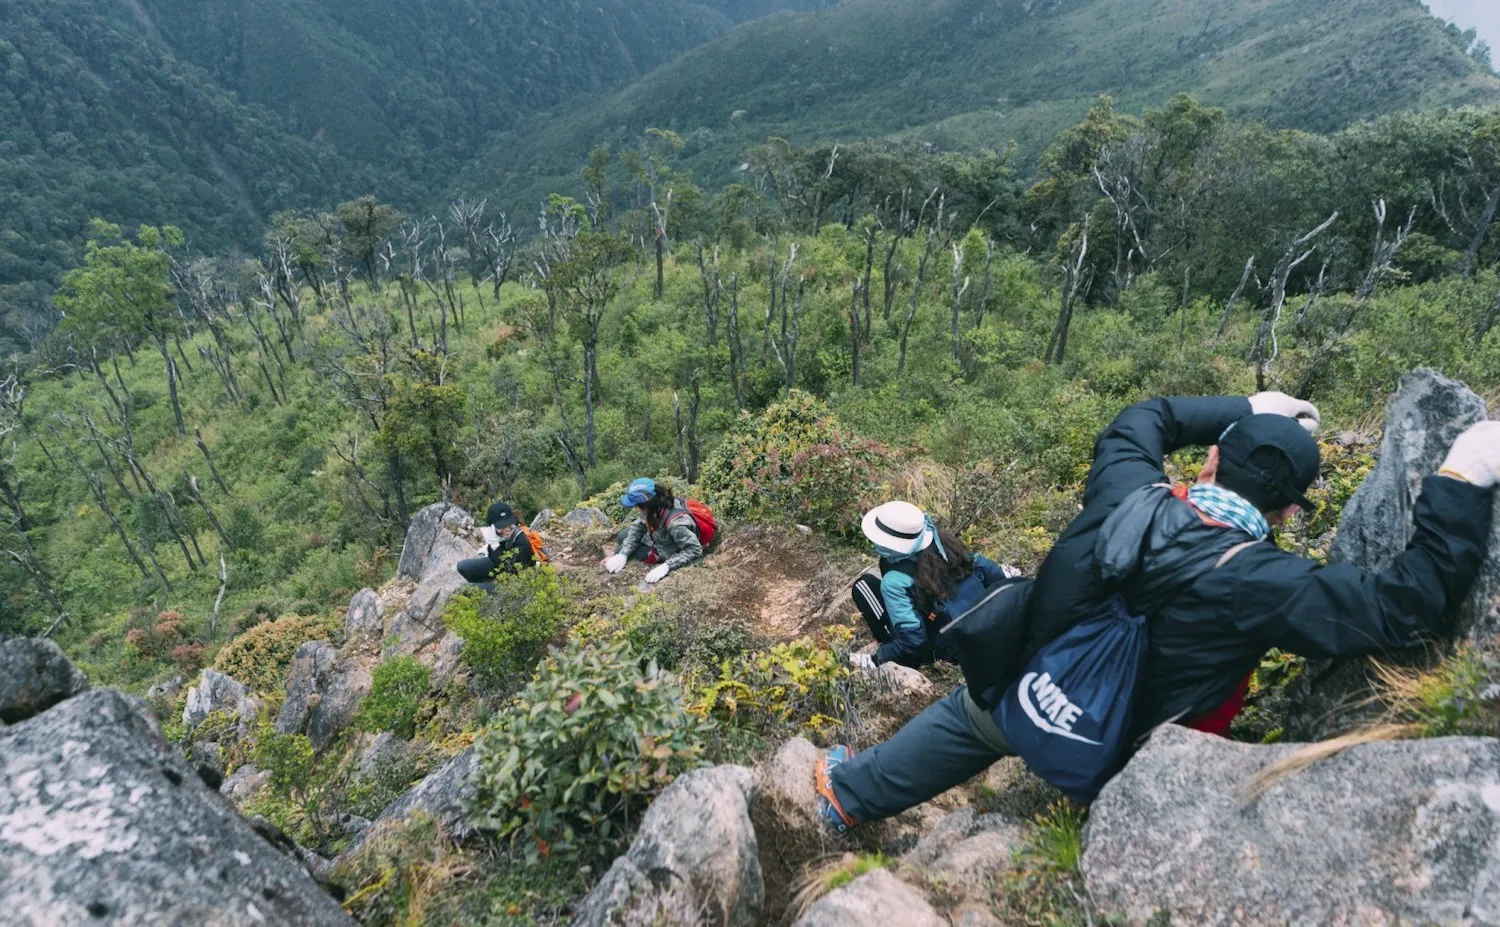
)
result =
(1158, 602)
(926, 578)
(670, 533)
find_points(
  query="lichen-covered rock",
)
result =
(166, 689)
(101, 822)
(693, 862)
(439, 536)
(218, 692)
(34, 676)
(365, 620)
(965, 846)
(542, 518)
(586, 517)
(787, 795)
(446, 658)
(875, 899)
(1385, 833)
(323, 692)
(1426, 415)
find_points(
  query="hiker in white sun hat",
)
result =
(926, 577)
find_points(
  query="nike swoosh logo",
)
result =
(1024, 695)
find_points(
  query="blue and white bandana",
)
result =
(1230, 508)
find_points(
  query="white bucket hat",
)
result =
(898, 526)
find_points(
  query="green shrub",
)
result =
(797, 687)
(287, 760)
(396, 690)
(505, 631)
(796, 461)
(261, 656)
(593, 737)
(1058, 840)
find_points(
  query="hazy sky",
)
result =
(1483, 15)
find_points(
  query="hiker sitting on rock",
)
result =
(927, 578)
(509, 546)
(670, 533)
(1193, 564)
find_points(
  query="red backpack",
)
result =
(703, 520)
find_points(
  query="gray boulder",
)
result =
(965, 846)
(101, 822)
(365, 620)
(244, 784)
(1384, 833)
(875, 899)
(323, 692)
(166, 689)
(442, 796)
(586, 517)
(694, 860)
(542, 519)
(439, 536)
(1426, 415)
(217, 692)
(446, 658)
(34, 676)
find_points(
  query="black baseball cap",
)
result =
(1284, 475)
(501, 515)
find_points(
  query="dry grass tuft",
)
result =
(1293, 763)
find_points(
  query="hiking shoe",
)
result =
(830, 812)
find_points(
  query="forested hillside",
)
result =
(215, 116)
(979, 73)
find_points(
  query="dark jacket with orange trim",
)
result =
(1209, 633)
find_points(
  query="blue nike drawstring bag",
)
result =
(1070, 713)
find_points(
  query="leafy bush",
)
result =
(287, 760)
(796, 461)
(261, 656)
(593, 737)
(396, 691)
(796, 687)
(505, 631)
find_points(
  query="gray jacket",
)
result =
(676, 541)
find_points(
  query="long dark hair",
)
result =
(936, 577)
(657, 507)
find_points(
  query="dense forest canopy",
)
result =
(216, 116)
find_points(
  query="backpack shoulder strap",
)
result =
(1234, 551)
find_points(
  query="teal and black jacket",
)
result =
(915, 618)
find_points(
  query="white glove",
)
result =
(1303, 411)
(1475, 456)
(491, 537)
(658, 574)
(615, 564)
(861, 661)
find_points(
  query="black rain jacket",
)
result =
(1210, 626)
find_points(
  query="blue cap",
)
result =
(640, 492)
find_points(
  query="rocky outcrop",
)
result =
(965, 846)
(439, 537)
(586, 517)
(693, 862)
(244, 784)
(443, 796)
(217, 692)
(323, 693)
(365, 621)
(875, 899)
(34, 676)
(1426, 415)
(1384, 833)
(101, 822)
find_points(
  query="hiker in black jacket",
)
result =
(1243, 595)
(509, 547)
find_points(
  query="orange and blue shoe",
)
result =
(830, 811)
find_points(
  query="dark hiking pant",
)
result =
(951, 742)
(871, 606)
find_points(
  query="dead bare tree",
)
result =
(855, 335)
(1234, 297)
(736, 344)
(1266, 347)
(785, 344)
(1076, 279)
(195, 495)
(712, 290)
(12, 403)
(1116, 175)
(783, 280)
(958, 301)
(213, 619)
(500, 251)
(467, 213)
(1467, 204)
(212, 467)
(1382, 264)
(898, 225)
(938, 237)
(688, 450)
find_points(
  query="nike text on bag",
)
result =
(986, 641)
(1069, 715)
